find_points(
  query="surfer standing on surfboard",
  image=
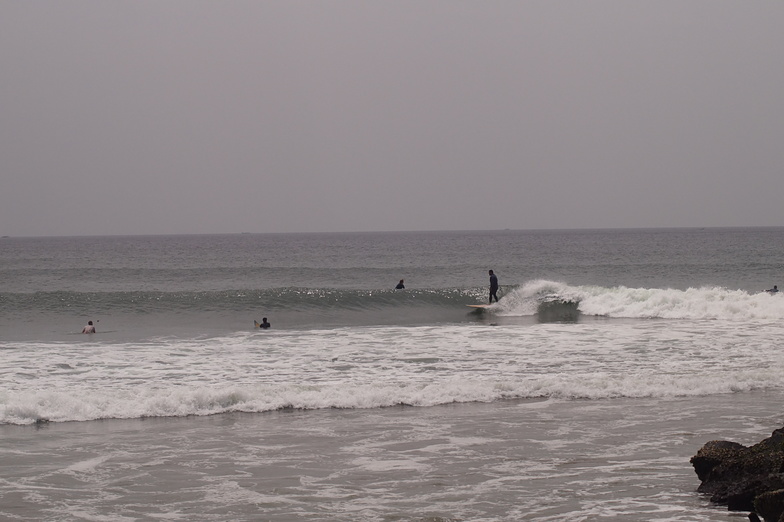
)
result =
(493, 287)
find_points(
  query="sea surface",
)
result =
(612, 356)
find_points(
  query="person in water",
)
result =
(773, 290)
(400, 285)
(493, 287)
(89, 328)
(264, 324)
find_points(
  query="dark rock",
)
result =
(770, 504)
(737, 475)
(712, 454)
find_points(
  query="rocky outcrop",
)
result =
(744, 478)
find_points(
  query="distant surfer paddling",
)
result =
(773, 290)
(493, 287)
(89, 328)
(263, 325)
(400, 285)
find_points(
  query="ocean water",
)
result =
(612, 356)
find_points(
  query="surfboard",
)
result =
(478, 306)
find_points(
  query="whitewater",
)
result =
(629, 342)
(611, 358)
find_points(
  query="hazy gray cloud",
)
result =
(198, 117)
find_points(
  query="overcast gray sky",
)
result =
(186, 116)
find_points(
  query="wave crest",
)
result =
(646, 303)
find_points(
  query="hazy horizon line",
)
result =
(431, 231)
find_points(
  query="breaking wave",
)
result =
(644, 303)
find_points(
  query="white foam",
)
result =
(87, 465)
(371, 367)
(622, 302)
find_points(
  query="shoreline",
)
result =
(507, 460)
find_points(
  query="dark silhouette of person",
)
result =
(773, 290)
(263, 325)
(89, 328)
(493, 287)
(400, 285)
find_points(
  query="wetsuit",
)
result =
(493, 288)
